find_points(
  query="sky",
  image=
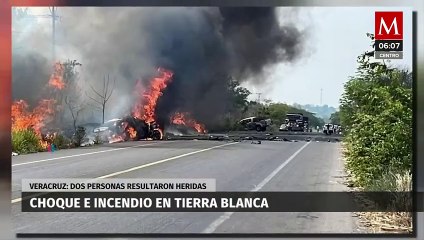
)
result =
(335, 37)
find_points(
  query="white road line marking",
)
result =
(84, 154)
(150, 164)
(163, 160)
(215, 224)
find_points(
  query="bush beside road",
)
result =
(376, 112)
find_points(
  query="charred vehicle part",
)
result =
(108, 129)
(137, 129)
(128, 128)
(255, 123)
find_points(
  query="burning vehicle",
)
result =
(128, 128)
(137, 129)
(108, 129)
(141, 123)
(131, 128)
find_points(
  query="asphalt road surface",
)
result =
(236, 166)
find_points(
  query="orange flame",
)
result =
(183, 119)
(35, 119)
(146, 106)
(56, 79)
(115, 139)
(23, 119)
(132, 132)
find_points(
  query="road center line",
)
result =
(83, 154)
(215, 224)
(150, 164)
(162, 161)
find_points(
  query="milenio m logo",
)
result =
(388, 35)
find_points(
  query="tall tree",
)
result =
(75, 108)
(67, 73)
(335, 118)
(101, 97)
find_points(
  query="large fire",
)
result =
(25, 119)
(132, 132)
(56, 79)
(148, 98)
(184, 119)
(147, 101)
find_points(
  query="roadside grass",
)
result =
(384, 222)
(61, 142)
(25, 141)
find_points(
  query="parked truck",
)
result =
(294, 122)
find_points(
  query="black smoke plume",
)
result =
(204, 47)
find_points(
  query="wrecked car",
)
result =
(108, 129)
(255, 123)
(128, 128)
(137, 129)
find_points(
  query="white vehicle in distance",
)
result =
(328, 129)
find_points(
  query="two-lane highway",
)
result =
(236, 166)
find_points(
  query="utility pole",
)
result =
(53, 15)
(259, 97)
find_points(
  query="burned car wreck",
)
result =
(128, 128)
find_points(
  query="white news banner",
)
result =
(119, 185)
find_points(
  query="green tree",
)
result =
(376, 113)
(237, 105)
(335, 118)
(238, 95)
